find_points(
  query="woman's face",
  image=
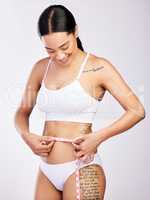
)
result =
(60, 46)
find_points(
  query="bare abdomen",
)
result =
(62, 151)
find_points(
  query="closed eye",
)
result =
(65, 48)
(50, 51)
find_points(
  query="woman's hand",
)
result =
(40, 145)
(85, 146)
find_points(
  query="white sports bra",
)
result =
(69, 103)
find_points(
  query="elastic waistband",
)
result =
(80, 163)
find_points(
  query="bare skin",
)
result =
(95, 80)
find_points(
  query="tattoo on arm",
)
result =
(94, 69)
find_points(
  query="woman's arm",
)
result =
(21, 121)
(22, 114)
(40, 145)
(112, 81)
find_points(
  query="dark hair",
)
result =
(57, 18)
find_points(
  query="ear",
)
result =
(76, 31)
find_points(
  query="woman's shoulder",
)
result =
(100, 60)
(104, 68)
(39, 67)
(41, 63)
(103, 62)
(37, 72)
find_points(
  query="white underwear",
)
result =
(59, 173)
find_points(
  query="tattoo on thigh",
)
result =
(92, 183)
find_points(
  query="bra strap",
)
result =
(49, 62)
(82, 66)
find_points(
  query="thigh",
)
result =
(44, 189)
(92, 184)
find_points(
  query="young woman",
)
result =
(67, 86)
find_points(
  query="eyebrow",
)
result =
(59, 46)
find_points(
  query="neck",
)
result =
(77, 57)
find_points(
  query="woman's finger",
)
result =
(76, 147)
(44, 151)
(43, 142)
(83, 158)
(50, 145)
(46, 146)
(78, 140)
(46, 139)
(79, 154)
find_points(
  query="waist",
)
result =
(63, 135)
(66, 129)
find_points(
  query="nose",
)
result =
(60, 56)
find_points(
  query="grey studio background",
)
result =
(117, 30)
